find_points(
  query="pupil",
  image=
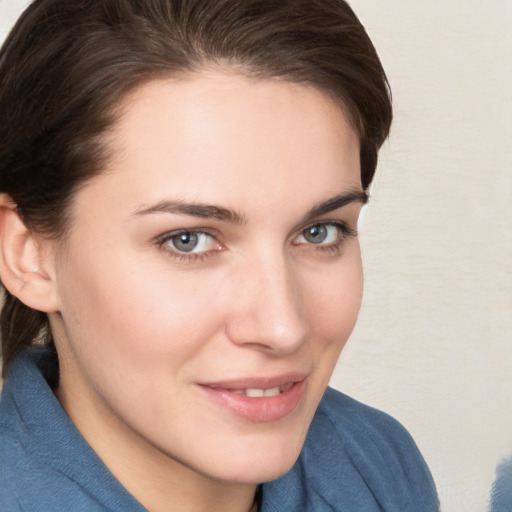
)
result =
(316, 234)
(185, 242)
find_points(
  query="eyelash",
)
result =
(335, 248)
(184, 257)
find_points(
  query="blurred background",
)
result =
(433, 346)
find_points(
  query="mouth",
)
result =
(260, 392)
(258, 400)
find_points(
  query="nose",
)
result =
(268, 311)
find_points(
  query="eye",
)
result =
(189, 242)
(320, 234)
(327, 238)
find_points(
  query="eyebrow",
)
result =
(353, 196)
(205, 211)
(208, 211)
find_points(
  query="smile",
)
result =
(260, 392)
(258, 402)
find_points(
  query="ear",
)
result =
(26, 261)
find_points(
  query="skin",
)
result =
(139, 325)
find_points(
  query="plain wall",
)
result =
(433, 344)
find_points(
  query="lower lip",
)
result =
(259, 409)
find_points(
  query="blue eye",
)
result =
(190, 241)
(317, 234)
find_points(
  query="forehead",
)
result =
(220, 136)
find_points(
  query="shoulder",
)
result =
(355, 422)
(45, 463)
(27, 481)
(354, 458)
(366, 433)
(30, 479)
(378, 450)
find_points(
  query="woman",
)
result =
(181, 183)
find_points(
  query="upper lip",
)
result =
(256, 382)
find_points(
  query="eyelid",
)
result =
(175, 232)
(341, 225)
(183, 256)
(332, 248)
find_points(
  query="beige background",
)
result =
(434, 346)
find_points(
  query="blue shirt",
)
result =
(355, 458)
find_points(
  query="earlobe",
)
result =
(26, 264)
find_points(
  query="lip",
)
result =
(258, 409)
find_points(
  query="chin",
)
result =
(254, 472)
(260, 460)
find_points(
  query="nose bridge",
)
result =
(270, 311)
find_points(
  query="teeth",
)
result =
(255, 393)
(258, 393)
(272, 391)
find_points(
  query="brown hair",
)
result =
(67, 64)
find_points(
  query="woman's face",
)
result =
(211, 277)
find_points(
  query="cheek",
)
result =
(145, 316)
(336, 302)
(126, 314)
(333, 309)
